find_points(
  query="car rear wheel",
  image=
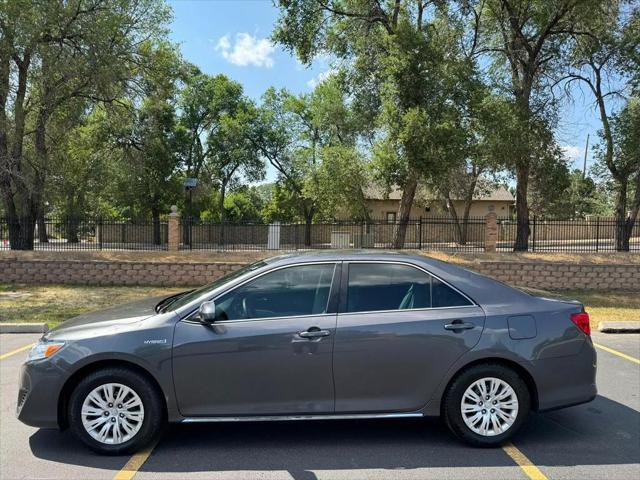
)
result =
(116, 411)
(486, 404)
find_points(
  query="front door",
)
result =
(269, 352)
(397, 337)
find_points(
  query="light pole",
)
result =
(189, 184)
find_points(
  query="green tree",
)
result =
(204, 100)
(83, 167)
(474, 174)
(528, 41)
(148, 138)
(244, 205)
(624, 160)
(52, 53)
(233, 157)
(304, 137)
(606, 59)
(406, 74)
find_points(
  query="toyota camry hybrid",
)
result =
(333, 335)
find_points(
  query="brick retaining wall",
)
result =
(543, 275)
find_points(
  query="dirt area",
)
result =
(249, 256)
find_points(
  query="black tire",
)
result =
(154, 417)
(451, 404)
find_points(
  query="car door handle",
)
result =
(314, 332)
(459, 325)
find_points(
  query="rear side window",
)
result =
(381, 286)
(443, 295)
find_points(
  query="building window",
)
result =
(391, 217)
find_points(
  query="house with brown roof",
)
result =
(383, 205)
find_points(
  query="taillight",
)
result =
(582, 321)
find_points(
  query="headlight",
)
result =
(44, 350)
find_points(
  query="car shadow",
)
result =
(599, 433)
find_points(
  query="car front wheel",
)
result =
(486, 404)
(116, 411)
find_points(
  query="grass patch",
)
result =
(53, 304)
(608, 306)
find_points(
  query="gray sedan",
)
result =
(332, 335)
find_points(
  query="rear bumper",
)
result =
(566, 381)
(40, 386)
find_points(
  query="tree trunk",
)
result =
(522, 209)
(73, 224)
(42, 227)
(465, 224)
(308, 219)
(21, 231)
(404, 211)
(451, 208)
(621, 238)
(635, 210)
(155, 220)
(223, 188)
(468, 200)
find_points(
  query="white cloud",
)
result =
(573, 152)
(247, 50)
(321, 77)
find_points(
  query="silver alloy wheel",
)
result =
(489, 406)
(112, 413)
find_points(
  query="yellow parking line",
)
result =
(134, 464)
(525, 464)
(616, 352)
(17, 350)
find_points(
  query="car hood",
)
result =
(109, 318)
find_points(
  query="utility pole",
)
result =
(584, 165)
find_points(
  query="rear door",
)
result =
(399, 330)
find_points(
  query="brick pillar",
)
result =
(174, 229)
(490, 232)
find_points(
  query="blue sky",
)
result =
(232, 37)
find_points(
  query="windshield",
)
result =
(188, 297)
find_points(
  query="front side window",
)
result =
(290, 291)
(381, 286)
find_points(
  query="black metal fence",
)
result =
(57, 234)
(432, 233)
(595, 234)
(592, 234)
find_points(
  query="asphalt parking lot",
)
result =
(598, 440)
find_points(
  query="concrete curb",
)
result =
(24, 328)
(619, 327)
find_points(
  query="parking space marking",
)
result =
(17, 350)
(525, 464)
(134, 464)
(616, 352)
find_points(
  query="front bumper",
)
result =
(40, 387)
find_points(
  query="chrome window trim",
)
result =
(424, 309)
(408, 264)
(187, 316)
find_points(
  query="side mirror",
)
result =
(207, 312)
